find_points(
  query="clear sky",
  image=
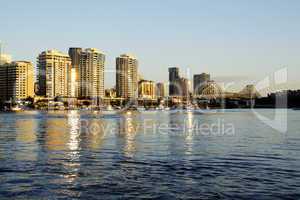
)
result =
(233, 40)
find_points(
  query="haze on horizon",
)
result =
(234, 41)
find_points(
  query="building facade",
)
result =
(146, 89)
(91, 73)
(16, 80)
(126, 76)
(174, 81)
(184, 87)
(160, 90)
(54, 71)
(75, 53)
(199, 81)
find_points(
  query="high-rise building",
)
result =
(160, 90)
(184, 87)
(146, 89)
(174, 83)
(16, 80)
(54, 70)
(74, 53)
(91, 73)
(199, 81)
(126, 76)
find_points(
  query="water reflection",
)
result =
(95, 132)
(74, 130)
(56, 134)
(26, 137)
(181, 133)
(51, 155)
(60, 132)
(128, 128)
(189, 132)
(72, 163)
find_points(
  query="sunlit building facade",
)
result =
(54, 74)
(91, 73)
(75, 53)
(16, 80)
(146, 89)
(126, 76)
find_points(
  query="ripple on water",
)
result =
(38, 160)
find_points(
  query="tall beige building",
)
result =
(16, 80)
(54, 71)
(126, 76)
(91, 73)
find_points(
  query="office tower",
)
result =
(126, 76)
(5, 58)
(160, 90)
(16, 80)
(146, 89)
(74, 54)
(199, 80)
(174, 81)
(91, 73)
(54, 69)
(184, 87)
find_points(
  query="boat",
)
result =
(205, 111)
(108, 110)
(15, 109)
(160, 107)
(188, 108)
(167, 108)
(141, 108)
(130, 110)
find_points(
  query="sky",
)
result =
(236, 41)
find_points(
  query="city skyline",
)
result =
(79, 75)
(76, 56)
(160, 99)
(262, 39)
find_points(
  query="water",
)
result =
(162, 155)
